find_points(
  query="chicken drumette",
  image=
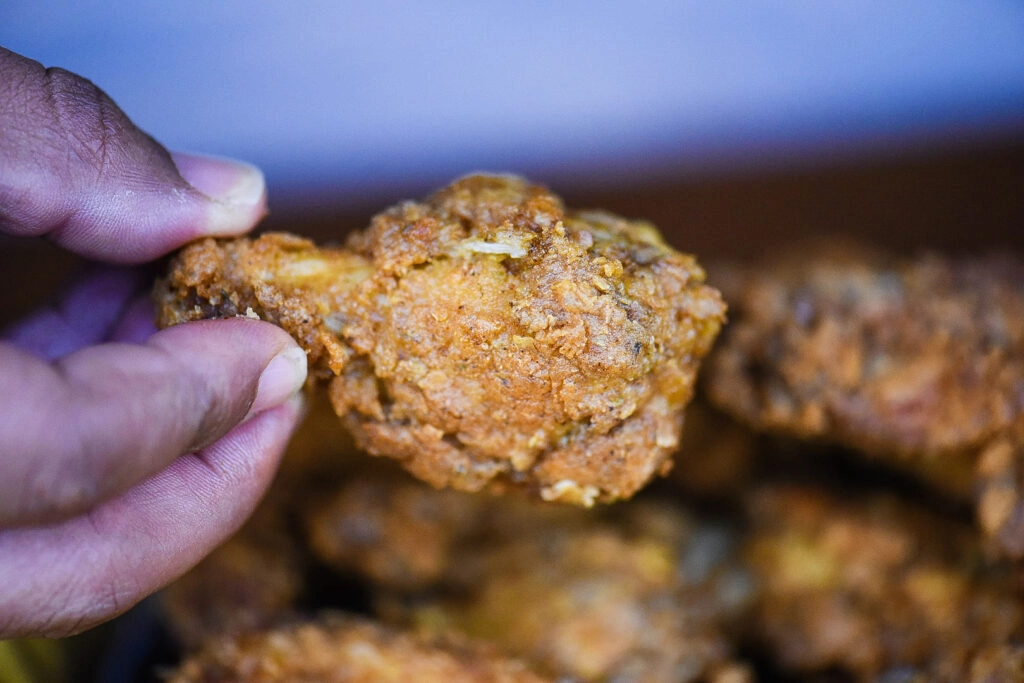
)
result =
(486, 337)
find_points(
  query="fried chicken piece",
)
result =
(400, 535)
(647, 600)
(919, 363)
(876, 585)
(340, 649)
(640, 592)
(486, 337)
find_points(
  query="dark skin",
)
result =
(164, 441)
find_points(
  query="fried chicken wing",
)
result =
(919, 363)
(342, 649)
(486, 337)
(640, 592)
(874, 585)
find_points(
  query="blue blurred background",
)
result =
(340, 99)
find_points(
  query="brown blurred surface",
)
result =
(967, 199)
(964, 200)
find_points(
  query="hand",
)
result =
(126, 454)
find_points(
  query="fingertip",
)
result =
(282, 379)
(248, 360)
(236, 190)
(78, 171)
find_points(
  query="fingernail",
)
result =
(237, 189)
(281, 379)
(226, 180)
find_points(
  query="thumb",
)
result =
(96, 422)
(74, 168)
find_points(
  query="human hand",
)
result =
(126, 454)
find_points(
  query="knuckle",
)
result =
(89, 120)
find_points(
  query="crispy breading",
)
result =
(874, 584)
(340, 649)
(645, 599)
(919, 363)
(641, 592)
(486, 337)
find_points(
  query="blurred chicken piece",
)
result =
(486, 337)
(640, 592)
(919, 363)
(877, 588)
(339, 649)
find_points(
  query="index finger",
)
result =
(74, 168)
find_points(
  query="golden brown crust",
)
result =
(919, 363)
(484, 337)
(281, 278)
(399, 534)
(339, 649)
(871, 585)
(605, 601)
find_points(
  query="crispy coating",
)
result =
(485, 337)
(340, 649)
(876, 585)
(919, 363)
(642, 592)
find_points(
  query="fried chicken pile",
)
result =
(847, 503)
(486, 337)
